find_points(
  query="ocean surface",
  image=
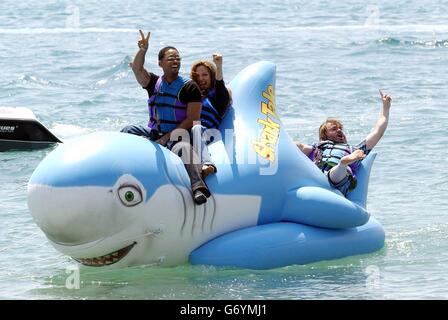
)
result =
(68, 62)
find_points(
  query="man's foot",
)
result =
(199, 197)
(207, 170)
(353, 157)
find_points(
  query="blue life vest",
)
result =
(210, 117)
(166, 111)
(328, 154)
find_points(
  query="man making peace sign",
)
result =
(174, 103)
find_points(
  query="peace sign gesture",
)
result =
(143, 43)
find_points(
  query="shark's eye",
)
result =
(129, 195)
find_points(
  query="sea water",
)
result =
(68, 62)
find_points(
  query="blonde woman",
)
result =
(215, 101)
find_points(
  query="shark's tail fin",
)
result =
(359, 194)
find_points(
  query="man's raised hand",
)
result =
(143, 43)
(386, 99)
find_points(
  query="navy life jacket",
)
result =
(210, 117)
(166, 111)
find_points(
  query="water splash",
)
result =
(67, 131)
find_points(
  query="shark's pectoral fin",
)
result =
(323, 208)
(281, 244)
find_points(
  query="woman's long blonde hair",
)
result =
(210, 67)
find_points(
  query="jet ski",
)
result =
(20, 129)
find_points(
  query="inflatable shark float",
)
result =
(111, 199)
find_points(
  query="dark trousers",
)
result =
(183, 149)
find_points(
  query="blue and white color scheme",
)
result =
(114, 199)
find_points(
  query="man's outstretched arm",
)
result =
(305, 148)
(381, 124)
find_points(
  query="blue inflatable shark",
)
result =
(115, 199)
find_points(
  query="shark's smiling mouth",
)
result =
(107, 259)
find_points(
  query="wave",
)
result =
(28, 80)
(378, 27)
(113, 73)
(123, 65)
(415, 28)
(361, 27)
(414, 43)
(65, 30)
